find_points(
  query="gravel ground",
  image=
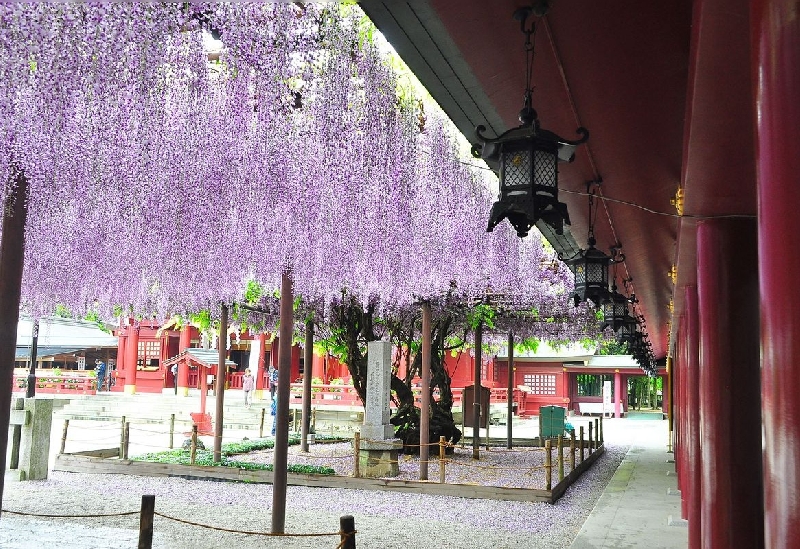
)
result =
(521, 467)
(426, 521)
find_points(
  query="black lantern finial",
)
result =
(526, 157)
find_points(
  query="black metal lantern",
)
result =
(590, 267)
(628, 330)
(527, 160)
(615, 309)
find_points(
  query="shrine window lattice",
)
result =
(541, 384)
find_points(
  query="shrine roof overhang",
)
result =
(665, 89)
(202, 357)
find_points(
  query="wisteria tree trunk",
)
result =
(353, 326)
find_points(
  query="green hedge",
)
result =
(206, 457)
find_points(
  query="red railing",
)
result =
(328, 395)
(346, 395)
(66, 384)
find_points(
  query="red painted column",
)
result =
(122, 341)
(262, 365)
(692, 485)
(728, 304)
(131, 359)
(685, 421)
(184, 343)
(617, 389)
(318, 368)
(681, 453)
(776, 56)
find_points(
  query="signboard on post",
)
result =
(607, 406)
(81, 363)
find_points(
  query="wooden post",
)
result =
(283, 394)
(30, 390)
(572, 450)
(442, 442)
(294, 420)
(16, 436)
(127, 439)
(193, 450)
(425, 404)
(600, 432)
(347, 529)
(146, 522)
(219, 382)
(548, 465)
(12, 256)
(581, 443)
(308, 361)
(64, 436)
(122, 438)
(596, 433)
(510, 395)
(560, 458)
(261, 425)
(314, 420)
(591, 439)
(357, 453)
(476, 405)
(171, 431)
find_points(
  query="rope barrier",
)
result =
(514, 450)
(345, 538)
(344, 456)
(476, 466)
(159, 431)
(125, 514)
(103, 439)
(400, 444)
(251, 533)
(104, 427)
(344, 535)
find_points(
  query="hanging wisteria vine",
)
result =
(164, 180)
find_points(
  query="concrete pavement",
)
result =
(639, 501)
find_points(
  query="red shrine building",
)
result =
(147, 351)
(574, 380)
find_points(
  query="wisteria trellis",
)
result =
(162, 183)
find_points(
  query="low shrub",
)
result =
(206, 457)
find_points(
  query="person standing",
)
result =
(273, 382)
(248, 384)
(273, 411)
(100, 370)
(174, 371)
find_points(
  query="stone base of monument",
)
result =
(378, 459)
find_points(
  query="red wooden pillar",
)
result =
(691, 492)
(681, 441)
(730, 413)
(121, 347)
(318, 368)
(184, 343)
(131, 359)
(617, 395)
(776, 54)
(260, 348)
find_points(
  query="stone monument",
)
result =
(379, 448)
(32, 453)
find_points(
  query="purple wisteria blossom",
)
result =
(163, 181)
